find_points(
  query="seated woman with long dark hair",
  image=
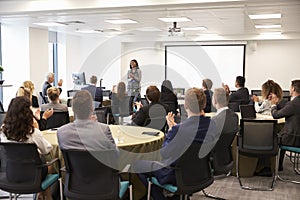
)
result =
(18, 127)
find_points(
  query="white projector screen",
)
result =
(187, 66)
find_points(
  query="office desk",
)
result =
(247, 165)
(135, 146)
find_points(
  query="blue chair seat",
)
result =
(293, 149)
(49, 180)
(124, 185)
(168, 187)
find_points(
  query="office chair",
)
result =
(57, 119)
(2, 116)
(256, 92)
(120, 109)
(192, 173)
(103, 114)
(44, 99)
(294, 156)
(257, 138)
(21, 170)
(90, 179)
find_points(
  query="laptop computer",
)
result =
(247, 111)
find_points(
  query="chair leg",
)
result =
(295, 160)
(255, 188)
(149, 190)
(60, 189)
(130, 192)
(212, 196)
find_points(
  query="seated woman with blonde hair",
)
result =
(30, 86)
(263, 106)
(53, 96)
(38, 122)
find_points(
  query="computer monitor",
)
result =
(78, 78)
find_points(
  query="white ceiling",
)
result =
(228, 19)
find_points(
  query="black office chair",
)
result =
(256, 92)
(44, 98)
(57, 119)
(222, 160)
(257, 138)
(120, 109)
(71, 93)
(90, 179)
(21, 170)
(294, 156)
(103, 114)
(2, 116)
(192, 173)
(235, 105)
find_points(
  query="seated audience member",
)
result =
(268, 88)
(290, 134)
(155, 110)
(85, 133)
(39, 123)
(195, 129)
(18, 127)
(120, 100)
(226, 120)
(242, 93)
(168, 97)
(30, 86)
(95, 91)
(206, 86)
(53, 95)
(48, 82)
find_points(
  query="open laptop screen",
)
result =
(247, 111)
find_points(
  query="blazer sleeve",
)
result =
(286, 111)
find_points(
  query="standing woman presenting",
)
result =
(134, 76)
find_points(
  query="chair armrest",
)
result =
(126, 169)
(51, 163)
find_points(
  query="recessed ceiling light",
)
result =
(50, 24)
(149, 29)
(266, 16)
(208, 34)
(268, 26)
(198, 28)
(88, 31)
(175, 19)
(121, 21)
(270, 33)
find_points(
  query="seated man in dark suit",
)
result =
(48, 82)
(96, 92)
(290, 134)
(227, 123)
(153, 114)
(196, 128)
(242, 93)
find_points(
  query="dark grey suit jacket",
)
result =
(241, 94)
(290, 134)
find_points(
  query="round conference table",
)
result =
(132, 143)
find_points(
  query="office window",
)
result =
(53, 55)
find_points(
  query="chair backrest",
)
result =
(144, 101)
(157, 117)
(87, 177)
(57, 119)
(120, 107)
(183, 113)
(256, 92)
(192, 173)
(235, 105)
(2, 116)
(44, 99)
(258, 136)
(1, 107)
(222, 162)
(102, 114)
(248, 111)
(20, 168)
(71, 93)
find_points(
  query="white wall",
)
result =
(38, 57)
(15, 59)
(278, 60)
(269, 59)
